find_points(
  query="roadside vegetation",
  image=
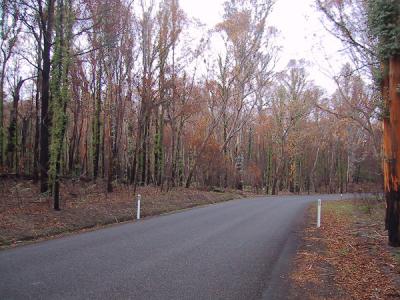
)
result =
(139, 93)
(348, 256)
(102, 100)
(26, 214)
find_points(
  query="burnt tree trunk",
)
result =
(12, 155)
(47, 24)
(35, 170)
(391, 135)
(97, 126)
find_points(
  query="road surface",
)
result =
(239, 249)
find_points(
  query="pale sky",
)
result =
(302, 35)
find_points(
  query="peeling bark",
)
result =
(391, 135)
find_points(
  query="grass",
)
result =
(396, 255)
(339, 208)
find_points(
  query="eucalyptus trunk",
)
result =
(391, 149)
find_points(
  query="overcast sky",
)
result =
(302, 35)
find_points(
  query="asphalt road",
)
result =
(240, 249)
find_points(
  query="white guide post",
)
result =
(138, 207)
(319, 214)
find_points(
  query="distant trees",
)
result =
(128, 92)
(10, 28)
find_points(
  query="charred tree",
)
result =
(47, 24)
(384, 22)
(391, 137)
(12, 155)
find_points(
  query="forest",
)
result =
(137, 93)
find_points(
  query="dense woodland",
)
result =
(135, 92)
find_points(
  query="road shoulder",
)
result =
(279, 281)
(348, 257)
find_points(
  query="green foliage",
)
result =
(396, 256)
(384, 23)
(59, 88)
(2, 138)
(340, 208)
(158, 145)
(378, 76)
(344, 251)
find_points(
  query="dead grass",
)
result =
(348, 257)
(25, 214)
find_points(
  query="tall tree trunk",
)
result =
(73, 143)
(59, 88)
(143, 149)
(268, 171)
(179, 153)
(96, 126)
(312, 173)
(108, 145)
(173, 163)
(25, 128)
(35, 170)
(45, 121)
(274, 185)
(225, 147)
(2, 77)
(148, 162)
(158, 147)
(391, 136)
(12, 129)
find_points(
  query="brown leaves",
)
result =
(236, 26)
(29, 216)
(348, 255)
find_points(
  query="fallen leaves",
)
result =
(348, 257)
(25, 214)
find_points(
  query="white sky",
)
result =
(302, 35)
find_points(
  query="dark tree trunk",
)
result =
(45, 121)
(24, 141)
(109, 156)
(2, 77)
(133, 169)
(12, 130)
(274, 184)
(143, 154)
(96, 127)
(392, 219)
(35, 171)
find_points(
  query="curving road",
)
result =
(240, 249)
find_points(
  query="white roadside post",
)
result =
(319, 214)
(138, 207)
